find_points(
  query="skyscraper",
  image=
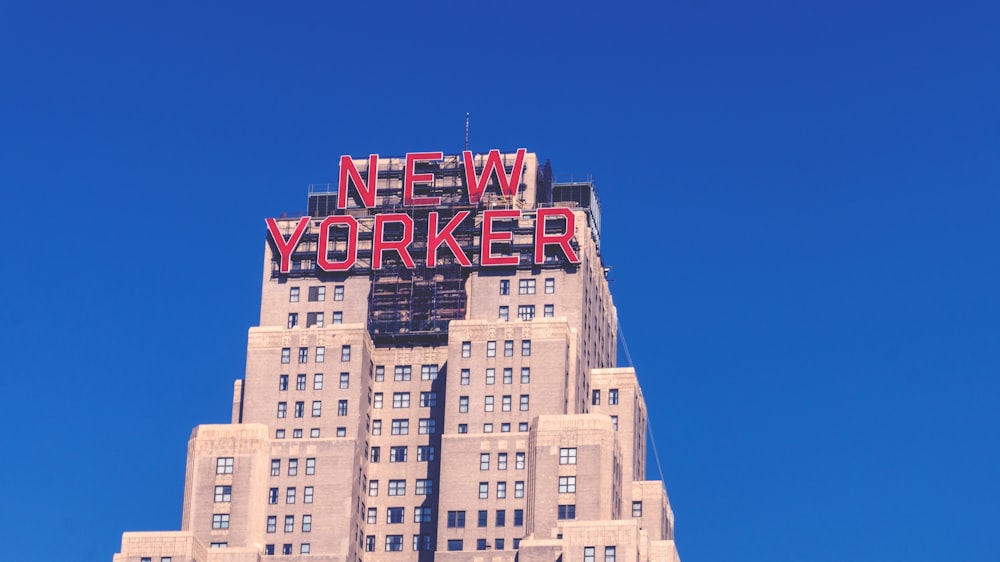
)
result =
(433, 378)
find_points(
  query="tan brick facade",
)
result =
(508, 435)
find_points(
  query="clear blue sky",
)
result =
(800, 201)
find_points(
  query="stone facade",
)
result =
(510, 436)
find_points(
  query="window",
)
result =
(454, 544)
(293, 467)
(428, 399)
(614, 422)
(491, 349)
(338, 292)
(269, 550)
(422, 542)
(522, 427)
(296, 434)
(224, 465)
(505, 286)
(637, 509)
(488, 405)
(525, 375)
(290, 495)
(372, 515)
(508, 375)
(345, 380)
(567, 484)
(219, 545)
(484, 490)
(463, 428)
(498, 544)
(400, 399)
(550, 285)
(491, 376)
(549, 311)
(422, 515)
(402, 373)
(272, 496)
(272, 523)
(505, 427)
(397, 454)
(484, 461)
(504, 313)
(341, 432)
(379, 373)
(501, 490)
(317, 294)
(320, 354)
(588, 554)
(463, 404)
(397, 487)
(501, 517)
(567, 511)
(300, 408)
(595, 397)
(283, 382)
(400, 427)
(282, 409)
(377, 404)
(480, 544)
(505, 403)
(314, 432)
(526, 311)
(223, 494)
(501, 461)
(293, 319)
(307, 494)
(279, 434)
(370, 543)
(508, 348)
(293, 294)
(289, 523)
(456, 519)
(519, 489)
(317, 408)
(310, 467)
(487, 428)
(613, 397)
(275, 467)
(517, 544)
(466, 349)
(519, 461)
(286, 355)
(483, 519)
(300, 382)
(376, 427)
(345, 353)
(376, 454)
(303, 355)
(425, 453)
(526, 287)
(338, 317)
(425, 487)
(465, 377)
(394, 543)
(220, 521)
(314, 319)
(567, 455)
(428, 372)
(427, 426)
(518, 517)
(525, 348)
(305, 548)
(394, 515)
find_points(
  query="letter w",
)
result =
(494, 163)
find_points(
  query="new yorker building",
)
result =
(433, 378)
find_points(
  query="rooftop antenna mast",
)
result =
(466, 130)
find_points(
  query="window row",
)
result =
(425, 426)
(402, 400)
(315, 319)
(272, 523)
(481, 544)
(299, 408)
(286, 549)
(425, 453)
(589, 552)
(395, 515)
(290, 495)
(501, 490)
(491, 348)
(293, 467)
(489, 403)
(423, 487)
(522, 427)
(405, 373)
(320, 356)
(507, 373)
(301, 380)
(595, 397)
(527, 286)
(526, 312)
(394, 543)
(313, 433)
(316, 294)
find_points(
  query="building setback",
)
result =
(453, 413)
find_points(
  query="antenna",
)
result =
(467, 130)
